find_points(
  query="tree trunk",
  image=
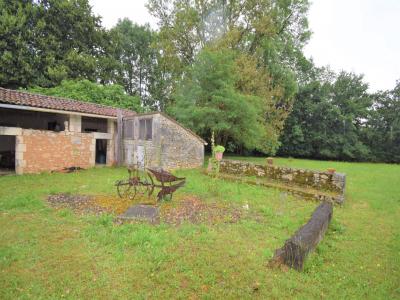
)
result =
(296, 249)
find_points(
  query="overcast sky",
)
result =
(362, 36)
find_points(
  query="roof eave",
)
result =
(50, 110)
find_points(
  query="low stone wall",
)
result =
(323, 181)
(41, 150)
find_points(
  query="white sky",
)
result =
(362, 36)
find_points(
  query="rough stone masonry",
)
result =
(333, 183)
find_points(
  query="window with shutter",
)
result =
(128, 129)
(145, 129)
(149, 129)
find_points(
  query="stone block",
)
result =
(75, 123)
(20, 163)
(20, 147)
(19, 155)
(10, 130)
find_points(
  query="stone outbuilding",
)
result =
(43, 133)
(155, 139)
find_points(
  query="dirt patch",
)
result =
(194, 210)
(180, 210)
(85, 204)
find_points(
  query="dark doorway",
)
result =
(7, 154)
(101, 152)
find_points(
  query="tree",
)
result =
(207, 101)
(16, 36)
(84, 90)
(45, 41)
(134, 53)
(268, 35)
(383, 126)
(328, 118)
(246, 25)
(140, 71)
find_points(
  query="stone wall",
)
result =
(318, 180)
(170, 147)
(41, 150)
(148, 148)
(179, 148)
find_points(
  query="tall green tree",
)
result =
(140, 71)
(383, 130)
(134, 53)
(268, 35)
(207, 101)
(16, 39)
(45, 41)
(329, 118)
(85, 90)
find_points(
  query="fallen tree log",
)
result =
(296, 249)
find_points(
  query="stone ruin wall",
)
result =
(324, 181)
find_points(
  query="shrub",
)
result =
(219, 148)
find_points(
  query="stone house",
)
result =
(43, 133)
(155, 139)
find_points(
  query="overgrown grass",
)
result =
(46, 253)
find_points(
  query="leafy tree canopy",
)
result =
(328, 118)
(383, 126)
(208, 101)
(267, 36)
(139, 70)
(45, 41)
(84, 90)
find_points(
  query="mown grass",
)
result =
(46, 253)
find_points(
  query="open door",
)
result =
(101, 152)
(7, 154)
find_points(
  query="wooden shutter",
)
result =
(128, 129)
(142, 129)
(149, 129)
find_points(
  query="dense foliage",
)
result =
(267, 38)
(383, 126)
(233, 67)
(334, 117)
(43, 42)
(208, 101)
(139, 69)
(84, 90)
(327, 119)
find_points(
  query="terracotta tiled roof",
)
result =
(57, 103)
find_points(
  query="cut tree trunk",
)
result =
(296, 249)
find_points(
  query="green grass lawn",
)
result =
(47, 253)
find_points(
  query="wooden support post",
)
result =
(296, 249)
(120, 142)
